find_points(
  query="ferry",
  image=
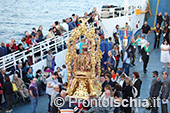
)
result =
(110, 16)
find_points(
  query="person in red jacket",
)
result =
(28, 40)
(14, 44)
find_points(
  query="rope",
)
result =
(156, 13)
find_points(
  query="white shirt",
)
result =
(65, 26)
(121, 82)
(143, 42)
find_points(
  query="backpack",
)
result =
(134, 92)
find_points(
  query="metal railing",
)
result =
(37, 53)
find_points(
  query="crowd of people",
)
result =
(115, 81)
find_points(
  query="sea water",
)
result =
(17, 16)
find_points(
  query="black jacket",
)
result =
(137, 85)
(144, 54)
(127, 92)
(103, 85)
(159, 19)
(7, 87)
(17, 71)
(54, 108)
(2, 78)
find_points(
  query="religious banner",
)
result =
(125, 37)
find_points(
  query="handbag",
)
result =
(1, 91)
(14, 87)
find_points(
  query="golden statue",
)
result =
(84, 68)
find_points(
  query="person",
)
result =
(81, 44)
(166, 18)
(26, 33)
(122, 82)
(132, 47)
(55, 109)
(10, 49)
(33, 31)
(145, 30)
(118, 74)
(69, 107)
(19, 71)
(26, 66)
(165, 92)
(127, 93)
(29, 41)
(145, 56)
(2, 52)
(108, 79)
(113, 73)
(23, 42)
(61, 28)
(138, 41)
(50, 33)
(143, 42)
(14, 45)
(65, 25)
(127, 27)
(8, 92)
(2, 75)
(103, 82)
(157, 32)
(49, 59)
(33, 90)
(54, 93)
(29, 76)
(126, 61)
(64, 73)
(4, 47)
(159, 19)
(110, 61)
(154, 90)
(20, 48)
(165, 57)
(21, 87)
(1, 92)
(116, 54)
(40, 30)
(137, 82)
(166, 32)
(51, 81)
(116, 34)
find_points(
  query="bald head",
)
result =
(63, 94)
(56, 88)
(34, 81)
(166, 13)
(147, 44)
(15, 76)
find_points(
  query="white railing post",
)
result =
(13, 55)
(4, 61)
(33, 59)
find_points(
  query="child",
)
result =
(138, 40)
(143, 42)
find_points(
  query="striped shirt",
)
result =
(66, 108)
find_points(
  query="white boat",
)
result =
(110, 17)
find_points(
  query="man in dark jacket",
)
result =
(132, 47)
(165, 92)
(159, 18)
(55, 109)
(145, 56)
(154, 90)
(103, 82)
(166, 18)
(157, 32)
(166, 33)
(2, 75)
(19, 71)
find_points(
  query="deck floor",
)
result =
(154, 64)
